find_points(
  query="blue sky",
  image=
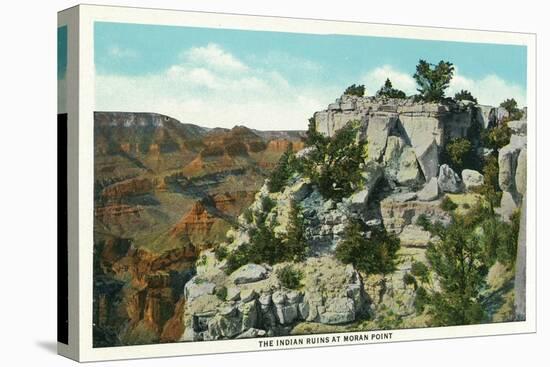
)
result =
(219, 77)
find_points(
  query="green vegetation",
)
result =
(447, 204)
(490, 188)
(221, 253)
(433, 80)
(511, 106)
(408, 279)
(355, 90)
(421, 300)
(420, 271)
(465, 95)
(290, 278)
(265, 247)
(283, 171)
(334, 165)
(373, 255)
(295, 241)
(388, 91)
(461, 258)
(460, 154)
(497, 137)
(221, 293)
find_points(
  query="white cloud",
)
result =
(215, 92)
(489, 90)
(121, 53)
(213, 56)
(375, 78)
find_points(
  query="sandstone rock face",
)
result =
(448, 180)
(379, 127)
(430, 191)
(512, 175)
(428, 159)
(471, 179)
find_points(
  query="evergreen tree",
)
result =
(295, 243)
(373, 255)
(282, 172)
(458, 261)
(388, 91)
(433, 80)
(465, 95)
(355, 90)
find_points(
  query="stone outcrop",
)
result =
(512, 175)
(448, 180)
(472, 179)
(331, 293)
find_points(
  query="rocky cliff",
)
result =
(404, 182)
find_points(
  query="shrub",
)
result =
(334, 164)
(465, 95)
(388, 91)
(290, 278)
(295, 241)
(265, 247)
(408, 279)
(221, 293)
(497, 137)
(420, 270)
(420, 300)
(457, 259)
(248, 215)
(267, 204)
(374, 255)
(447, 204)
(490, 188)
(355, 90)
(282, 172)
(220, 252)
(511, 106)
(460, 154)
(423, 222)
(433, 80)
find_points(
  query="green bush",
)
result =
(465, 95)
(447, 204)
(334, 165)
(265, 247)
(282, 172)
(511, 106)
(423, 222)
(420, 270)
(355, 90)
(221, 293)
(408, 279)
(460, 154)
(421, 299)
(374, 255)
(221, 253)
(458, 261)
(388, 91)
(433, 80)
(497, 137)
(248, 215)
(290, 278)
(490, 188)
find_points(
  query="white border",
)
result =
(91, 13)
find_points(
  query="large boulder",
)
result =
(472, 179)
(448, 180)
(379, 127)
(409, 173)
(249, 273)
(430, 191)
(197, 287)
(428, 158)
